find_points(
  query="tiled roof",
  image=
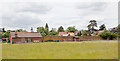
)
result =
(65, 33)
(61, 33)
(25, 34)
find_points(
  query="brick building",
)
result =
(25, 37)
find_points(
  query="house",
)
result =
(98, 32)
(63, 34)
(115, 30)
(76, 32)
(25, 37)
(66, 34)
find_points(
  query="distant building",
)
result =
(66, 34)
(25, 37)
(98, 32)
(115, 30)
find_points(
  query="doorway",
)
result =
(29, 40)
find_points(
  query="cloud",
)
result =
(23, 15)
(78, 14)
(36, 8)
(93, 8)
(96, 6)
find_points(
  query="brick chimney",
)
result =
(15, 34)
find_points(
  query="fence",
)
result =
(71, 38)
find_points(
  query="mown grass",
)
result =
(61, 50)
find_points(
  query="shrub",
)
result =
(84, 33)
(108, 35)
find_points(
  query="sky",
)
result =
(36, 13)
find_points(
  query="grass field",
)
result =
(61, 50)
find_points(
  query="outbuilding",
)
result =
(25, 37)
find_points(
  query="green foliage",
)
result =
(84, 33)
(93, 23)
(20, 30)
(61, 29)
(47, 27)
(53, 32)
(108, 35)
(6, 34)
(102, 27)
(31, 29)
(79, 34)
(41, 30)
(46, 31)
(3, 29)
(71, 29)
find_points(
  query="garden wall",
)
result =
(71, 38)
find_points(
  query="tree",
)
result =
(20, 30)
(102, 27)
(41, 30)
(46, 30)
(46, 27)
(84, 33)
(61, 29)
(6, 34)
(53, 31)
(93, 23)
(79, 34)
(108, 35)
(71, 29)
(31, 29)
(3, 30)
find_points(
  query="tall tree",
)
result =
(41, 30)
(53, 32)
(61, 29)
(71, 29)
(20, 30)
(3, 29)
(102, 27)
(93, 23)
(79, 34)
(31, 29)
(47, 27)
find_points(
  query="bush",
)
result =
(49, 41)
(108, 35)
(84, 33)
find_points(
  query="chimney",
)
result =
(15, 34)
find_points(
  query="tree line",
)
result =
(45, 30)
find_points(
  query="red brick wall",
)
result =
(54, 38)
(70, 38)
(17, 40)
(67, 38)
(36, 38)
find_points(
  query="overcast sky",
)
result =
(35, 13)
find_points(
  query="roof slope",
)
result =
(26, 34)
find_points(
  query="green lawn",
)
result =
(61, 50)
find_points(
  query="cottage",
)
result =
(98, 32)
(25, 37)
(66, 34)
